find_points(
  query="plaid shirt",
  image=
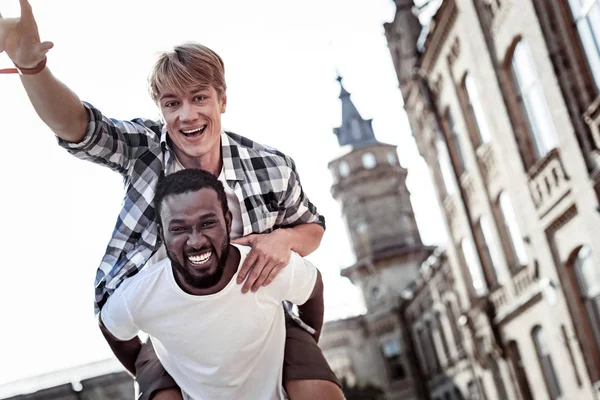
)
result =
(263, 178)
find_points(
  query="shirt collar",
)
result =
(232, 166)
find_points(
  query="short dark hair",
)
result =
(188, 180)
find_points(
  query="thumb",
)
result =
(244, 241)
(45, 46)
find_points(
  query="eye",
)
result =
(208, 224)
(177, 229)
(170, 104)
(200, 97)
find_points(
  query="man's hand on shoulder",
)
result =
(270, 253)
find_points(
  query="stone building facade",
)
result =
(503, 99)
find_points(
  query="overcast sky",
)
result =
(281, 59)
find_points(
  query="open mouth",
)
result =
(194, 132)
(200, 259)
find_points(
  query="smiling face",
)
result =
(193, 121)
(195, 232)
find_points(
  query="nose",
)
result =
(196, 240)
(187, 112)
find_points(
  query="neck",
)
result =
(211, 161)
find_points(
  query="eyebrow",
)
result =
(202, 218)
(195, 90)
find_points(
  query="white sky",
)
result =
(281, 58)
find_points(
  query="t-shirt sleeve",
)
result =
(297, 280)
(116, 317)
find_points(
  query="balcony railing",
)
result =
(522, 282)
(548, 182)
(499, 298)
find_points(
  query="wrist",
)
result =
(286, 236)
(33, 70)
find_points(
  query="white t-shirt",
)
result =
(226, 345)
(237, 226)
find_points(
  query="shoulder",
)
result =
(254, 150)
(141, 284)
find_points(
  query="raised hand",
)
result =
(20, 38)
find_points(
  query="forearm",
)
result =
(125, 351)
(312, 312)
(56, 105)
(305, 238)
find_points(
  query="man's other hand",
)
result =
(270, 253)
(20, 38)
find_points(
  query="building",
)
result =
(503, 98)
(100, 380)
(409, 343)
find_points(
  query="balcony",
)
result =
(523, 282)
(499, 298)
(548, 182)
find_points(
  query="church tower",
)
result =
(402, 36)
(370, 185)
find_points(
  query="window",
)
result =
(453, 317)
(588, 280)
(512, 234)
(344, 168)
(498, 381)
(429, 359)
(476, 110)
(443, 339)
(393, 359)
(474, 266)
(587, 19)
(341, 365)
(532, 102)
(368, 160)
(454, 143)
(545, 359)
(432, 350)
(489, 250)
(445, 169)
(391, 157)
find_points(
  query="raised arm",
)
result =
(53, 101)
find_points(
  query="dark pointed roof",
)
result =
(355, 130)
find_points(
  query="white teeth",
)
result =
(200, 259)
(194, 130)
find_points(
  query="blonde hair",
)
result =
(184, 67)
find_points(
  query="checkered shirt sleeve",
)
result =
(133, 149)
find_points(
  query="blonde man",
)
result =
(271, 214)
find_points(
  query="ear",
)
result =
(228, 221)
(223, 103)
(160, 233)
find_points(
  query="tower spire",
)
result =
(355, 130)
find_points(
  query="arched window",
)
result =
(545, 359)
(489, 250)
(474, 266)
(369, 160)
(512, 237)
(588, 280)
(344, 168)
(446, 169)
(476, 110)
(532, 102)
(587, 18)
